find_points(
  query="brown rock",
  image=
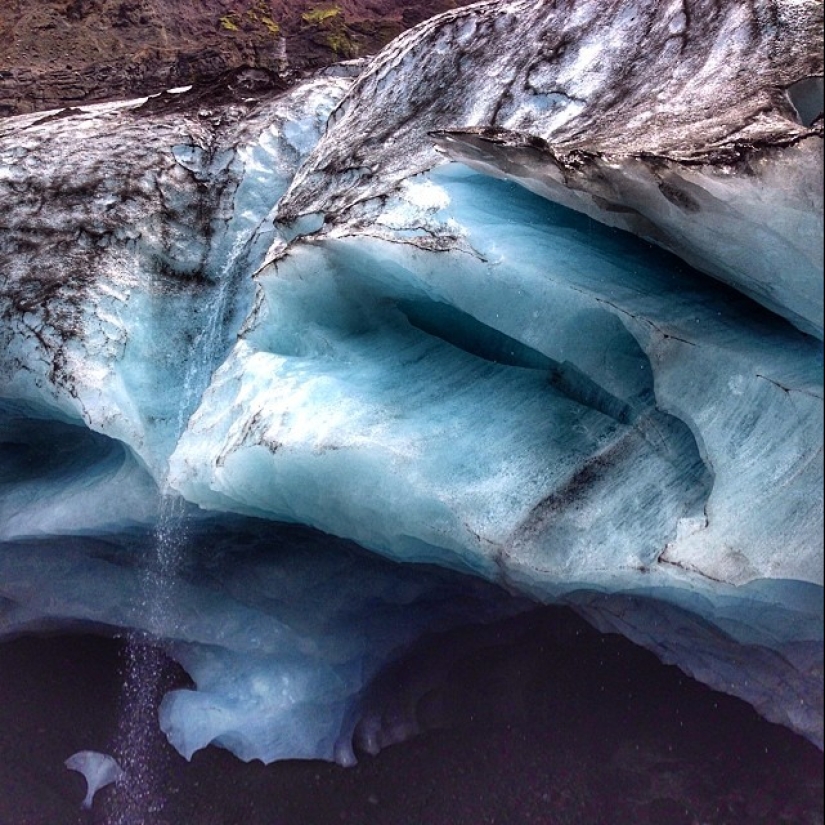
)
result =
(68, 52)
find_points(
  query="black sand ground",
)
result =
(554, 727)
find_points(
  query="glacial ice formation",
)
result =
(99, 770)
(295, 306)
(280, 628)
(146, 228)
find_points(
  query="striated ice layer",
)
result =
(755, 224)
(60, 479)
(456, 374)
(467, 374)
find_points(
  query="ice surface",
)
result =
(146, 272)
(354, 394)
(59, 478)
(669, 122)
(758, 230)
(426, 367)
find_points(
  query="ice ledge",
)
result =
(693, 124)
(749, 214)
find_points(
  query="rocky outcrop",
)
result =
(60, 53)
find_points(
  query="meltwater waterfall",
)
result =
(145, 670)
(146, 667)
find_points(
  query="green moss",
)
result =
(333, 28)
(341, 44)
(273, 27)
(318, 16)
(375, 33)
(258, 16)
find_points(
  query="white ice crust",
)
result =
(99, 770)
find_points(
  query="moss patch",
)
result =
(257, 18)
(228, 23)
(321, 15)
(330, 29)
(341, 44)
(274, 28)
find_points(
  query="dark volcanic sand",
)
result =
(558, 725)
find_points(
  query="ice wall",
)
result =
(480, 378)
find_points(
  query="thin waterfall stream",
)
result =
(145, 669)
(236, 251)
(146, 675)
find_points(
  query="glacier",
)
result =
(529, 304)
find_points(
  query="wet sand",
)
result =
(548, 722)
